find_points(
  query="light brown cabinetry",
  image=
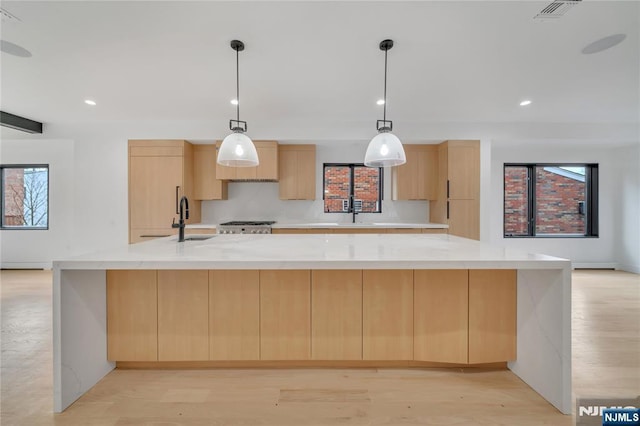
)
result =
(458, 191)
(417, 178)
(285, 315)
(448, 316)
(132, 316)
(440, 321)
(183, 315)
(492, 315)
(160, 172)
(336, 314)
(387, 314)
(358, 231)
(234, 315)
(434, 230)
(205, 184)
(267, 168)
(297, 175)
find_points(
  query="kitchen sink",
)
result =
(198, 237)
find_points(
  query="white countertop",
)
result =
(314, 225)
(381, 225)
(314, 251)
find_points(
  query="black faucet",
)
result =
(184, 214)
(353, 209)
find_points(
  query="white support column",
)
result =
(80, 351)
(544, 334)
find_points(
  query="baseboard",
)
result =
(595, 265)
(630, 268)
(183, 365)
(25, 265)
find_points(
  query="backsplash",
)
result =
(259, 201)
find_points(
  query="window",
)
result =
(349, 187)
(25, 197)
(542, 200)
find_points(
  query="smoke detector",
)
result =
(555, 10)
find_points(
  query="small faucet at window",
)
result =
(352, 208)
(184, 215)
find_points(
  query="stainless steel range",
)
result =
(246, 227)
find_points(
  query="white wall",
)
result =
(92, 205)
(37, 248)
(628, 208)
(583, 252)
(259, 200)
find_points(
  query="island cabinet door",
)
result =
(440, 322)
(285, 315)
(132, 316)
(387, 314)
(234, 315)
(492, 315)
(183, 315)
(336, 314)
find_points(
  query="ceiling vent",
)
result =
(555, 10)
(8, 17)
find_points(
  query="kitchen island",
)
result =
(409, 300)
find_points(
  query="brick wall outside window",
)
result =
(515, 200)
(367, 183)
(337, 187)
(13, 196)
(557, 202)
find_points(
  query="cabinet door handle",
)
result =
(447, 210)
(177, 202)
(447, 188)
(154, 236)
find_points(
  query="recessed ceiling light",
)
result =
(525, 102)
(380, 102)
(234, 102)
(604, 44)
(90, 102)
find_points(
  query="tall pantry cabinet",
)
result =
(458, 188)
(160, 173)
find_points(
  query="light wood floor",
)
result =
(606, 362)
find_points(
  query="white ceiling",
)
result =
(319, 62)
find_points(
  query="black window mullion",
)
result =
(531, 200)
(591, 175)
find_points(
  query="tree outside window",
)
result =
(25, 197)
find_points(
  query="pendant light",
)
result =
(385, 149)
(237, 149)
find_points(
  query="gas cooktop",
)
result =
(246, 227)
(249, 223)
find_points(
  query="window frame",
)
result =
(2, 195)
(591, 202)
(352, 167)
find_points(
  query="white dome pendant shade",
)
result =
(385, 149)
(237, 149)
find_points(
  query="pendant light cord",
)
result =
(384, 117)
(238, 84)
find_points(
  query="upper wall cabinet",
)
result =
(267, 169)
(160, 172)
(458, 189)
(297, 164)
(205, 184)
(417, 178)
